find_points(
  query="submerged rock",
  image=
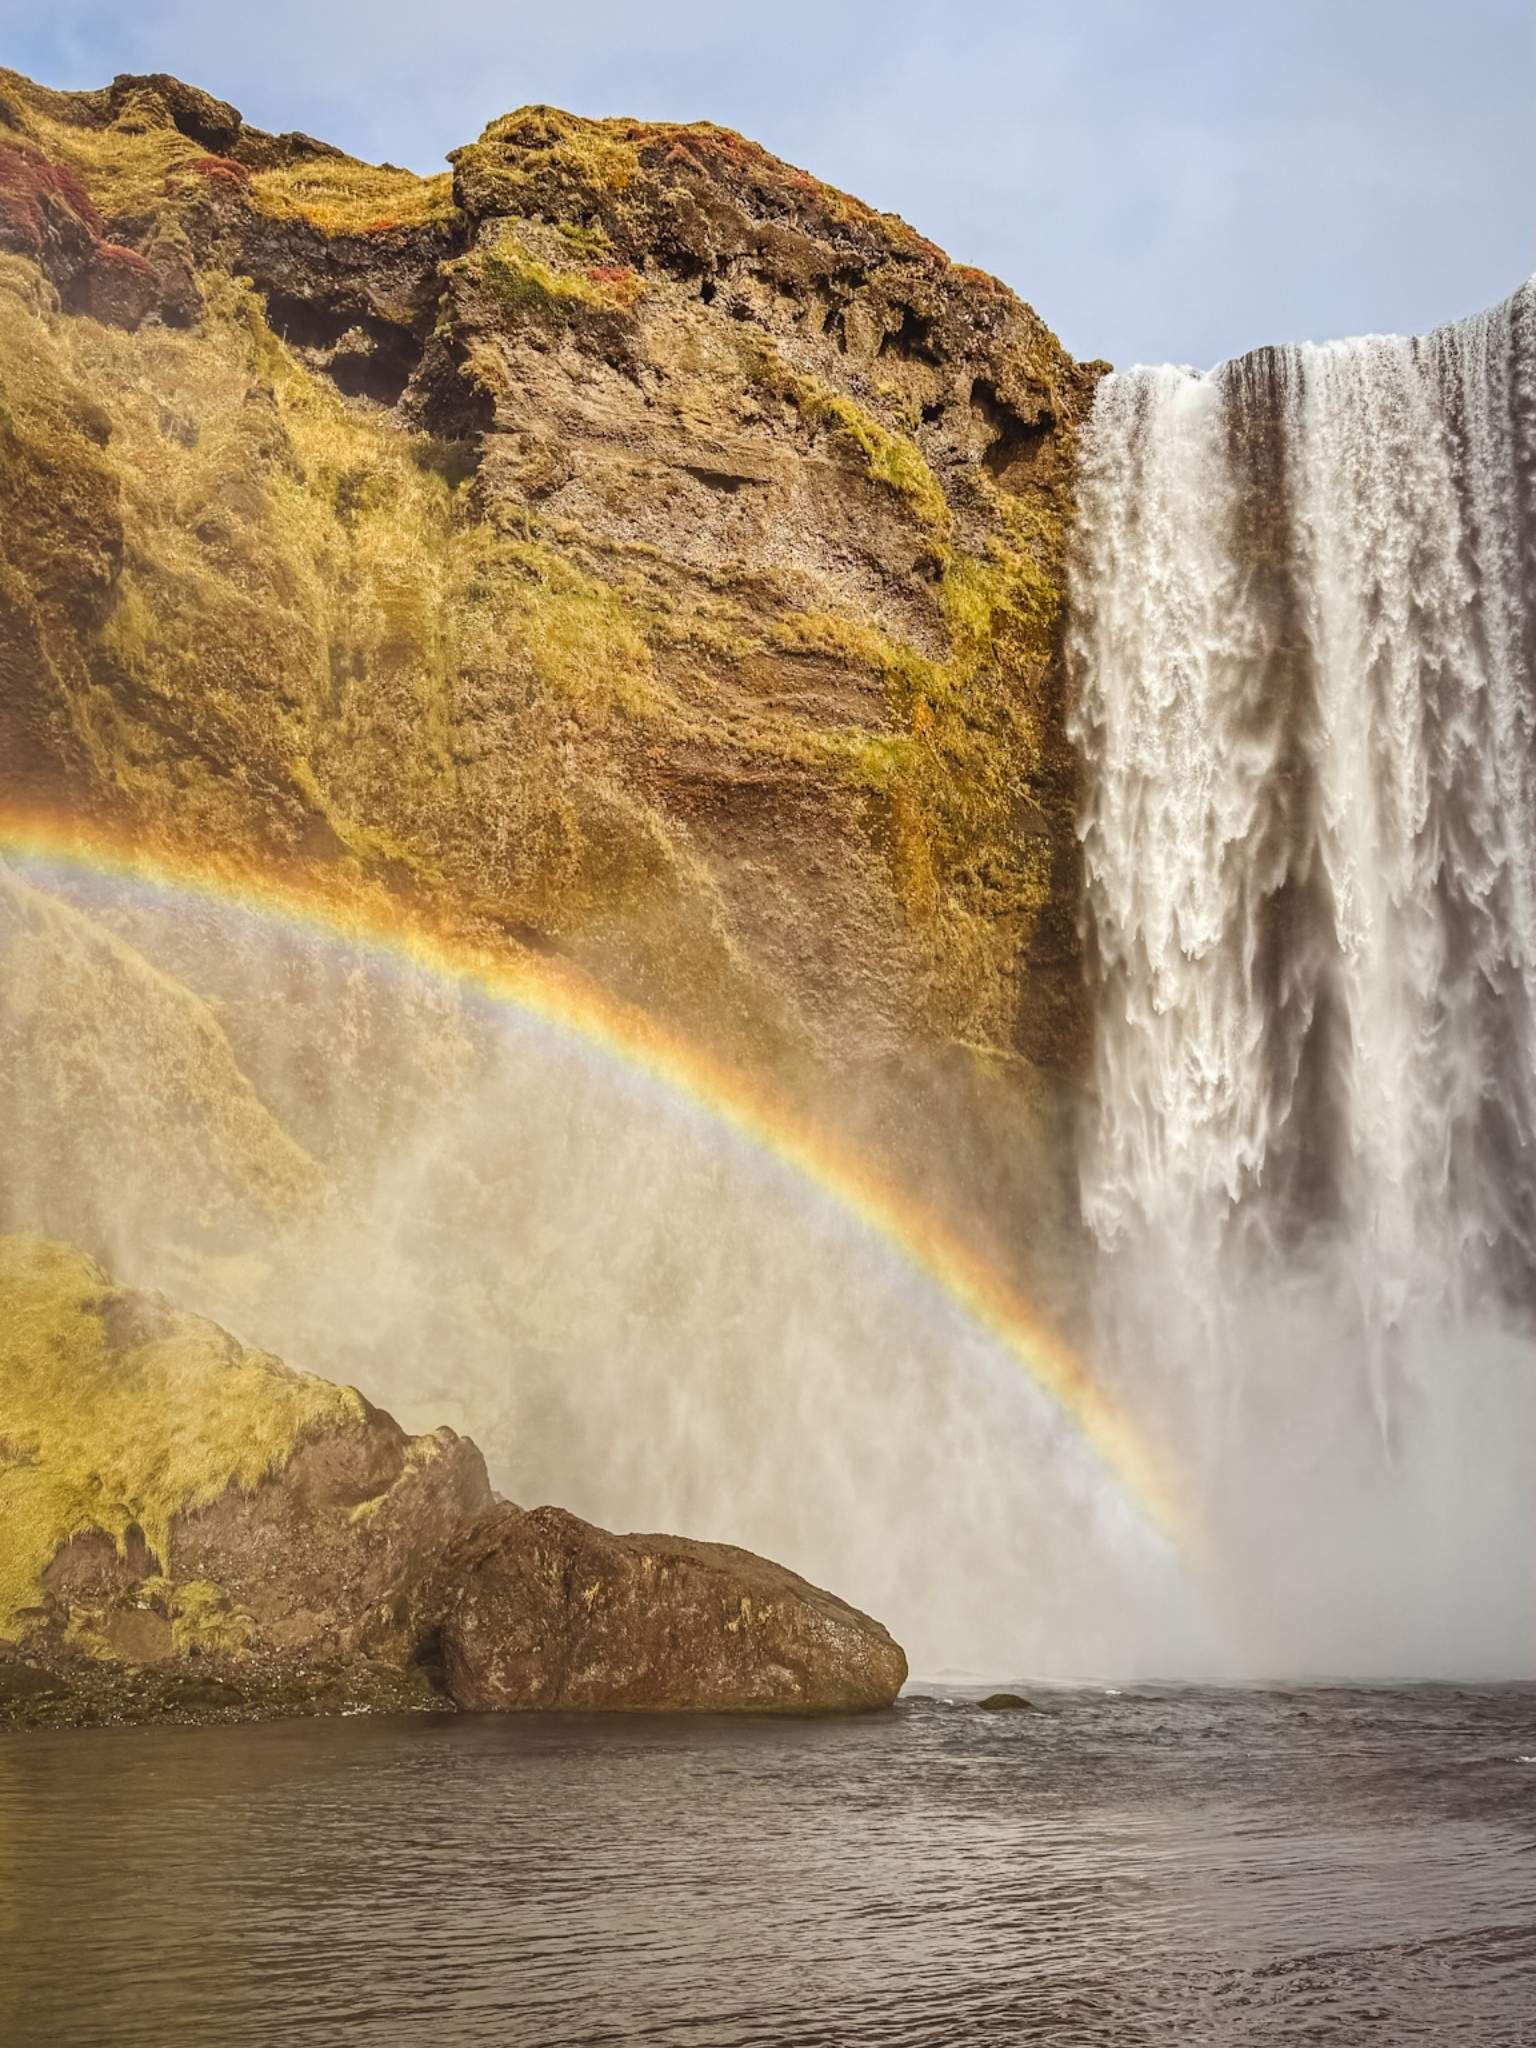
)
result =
(542, 1610)
(1007, 1703)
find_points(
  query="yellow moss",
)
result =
(891, 458)
(311, 645)
(946, 783)
(526, 287)
(419, 1451)
(140, 160)
(120, 1412)
(126, 167)
(342, 196)
(204, 1618)
(82, 1632)
(80, 1007)
(537, 151)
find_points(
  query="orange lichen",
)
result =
(222, 170)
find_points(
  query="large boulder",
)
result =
(190, 1529)
(169, 1494)
(542, 1610)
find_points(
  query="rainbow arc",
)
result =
(569, 1002)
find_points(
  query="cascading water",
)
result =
(1303, 649)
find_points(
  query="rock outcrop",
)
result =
(542, 1610)
(623, 546)
(190, 1529)
(169, 1496)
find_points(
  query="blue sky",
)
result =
(1177, 180)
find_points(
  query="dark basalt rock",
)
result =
(542, 1610)
(1007, 1703)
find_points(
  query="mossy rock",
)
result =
(121, 1413)
(168, 1491)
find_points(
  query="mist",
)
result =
(482, 1221)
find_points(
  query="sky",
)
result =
(1170, 180)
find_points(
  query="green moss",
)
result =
(588, 242)
(523, 286)
(120, 1412)
(892, 459)
(205, 1619)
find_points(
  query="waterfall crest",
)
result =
(1303, 653)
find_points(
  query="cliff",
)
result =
(623, 546)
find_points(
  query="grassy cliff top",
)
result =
(139, 143)
(119, 1411)
(141, 140)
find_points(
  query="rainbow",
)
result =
(559, 996)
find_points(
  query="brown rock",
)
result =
(168, 1494)
(118, 286)
(543, 1610)
(21, 1681)
(325, 1552)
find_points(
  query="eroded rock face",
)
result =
(542, 1610)
(623, 546)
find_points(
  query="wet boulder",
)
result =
(542, 1610)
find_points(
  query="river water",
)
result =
(1154, 1866)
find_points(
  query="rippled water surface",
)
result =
(1154, 1866)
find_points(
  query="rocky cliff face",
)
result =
(623, 546)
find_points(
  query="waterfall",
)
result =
(1303, 660)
